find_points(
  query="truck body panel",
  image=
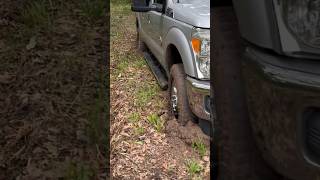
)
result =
(174, 27)
(282, 82)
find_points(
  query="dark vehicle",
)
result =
(266, 89)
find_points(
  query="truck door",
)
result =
(145, 21)
(155, 20)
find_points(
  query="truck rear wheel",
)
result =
(178, 104)
(237, 155)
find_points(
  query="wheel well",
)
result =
(173, 56)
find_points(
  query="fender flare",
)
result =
(177, 38)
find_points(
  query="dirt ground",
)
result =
(52, 89)
(146, 143)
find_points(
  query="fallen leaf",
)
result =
(5, 78)
(32, 43)
(52, 149)
(206, 158)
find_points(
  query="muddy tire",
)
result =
(139, 44)
(178, 104)
(237, 156)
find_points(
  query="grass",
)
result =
(193, 167)
(98, 125)
(130, 61)
(120, 10)
(122, 66)
(36, 15)
(139, 142)
(140, 63)
(93, 129)
(121, 6)
(171, 169)
(200, 147)
(137, 60)
(134, 117)
(78, 171)
(156, 122)
(98, 134)
(145, 94)
(93, 9)
(139, 130)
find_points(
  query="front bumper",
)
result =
(280, 92)
(199, 97)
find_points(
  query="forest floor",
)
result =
(53, 89)
(146, 143)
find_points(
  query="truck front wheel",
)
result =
(238, 157)
(178, 103)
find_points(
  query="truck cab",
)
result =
(174, 36)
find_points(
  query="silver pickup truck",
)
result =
(174, 36)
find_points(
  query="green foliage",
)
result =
(139, 130)
(120, 1)
(93, 128)
(139, 142)
(137, 60)
(122, 7)
(145, 94)
(78, 171)
(123, 66)
(193, 167)
(93, 8)
(36, 15)
(96, 116)
(134, 61)
(156, 122)
(134, 117)
(200, 147)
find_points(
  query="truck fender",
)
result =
(178, 39)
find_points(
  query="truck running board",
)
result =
(156, 70)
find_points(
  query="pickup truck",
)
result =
(174, 36)
(266, 79)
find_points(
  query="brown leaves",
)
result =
(52, 149)
(6, 78)
(48, 86)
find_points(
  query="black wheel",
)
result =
(179, 106)
(140, 45)
(237, 156)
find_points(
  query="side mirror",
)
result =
(142, 6)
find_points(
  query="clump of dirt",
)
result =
(188, 134)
